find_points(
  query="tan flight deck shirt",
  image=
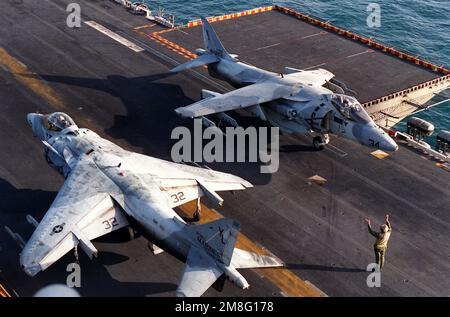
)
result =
(382, 237)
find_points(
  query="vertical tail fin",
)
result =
(212, 42)
(214, 257)
(217, 238)
(212, 53)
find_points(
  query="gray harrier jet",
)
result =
(305, 102)
(108, 188)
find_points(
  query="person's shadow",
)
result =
(314, 267)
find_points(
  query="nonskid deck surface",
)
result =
(128, 97)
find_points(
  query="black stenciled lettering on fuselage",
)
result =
(211, 251)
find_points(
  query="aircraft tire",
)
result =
(318, 143)
(128, 233)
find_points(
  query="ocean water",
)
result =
(421, 27)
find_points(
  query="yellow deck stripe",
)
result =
(145, 26)
(172, 44)
(289, 283)
(32, 81)
(170, 48)
(3, 292)
(155, 36)
(37, 85)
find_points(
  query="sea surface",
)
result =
(416, 26)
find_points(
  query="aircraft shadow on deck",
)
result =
(150, 116)
(97, 281)
(16, 204)
(314, 267)
(149, 108)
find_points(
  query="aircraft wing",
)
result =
(82, 211)
(200, 272)
(184, 188)
(317, 77)
(258, 93)
(183, 183)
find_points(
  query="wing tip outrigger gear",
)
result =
(16, 237)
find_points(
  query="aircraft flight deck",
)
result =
(126, 94)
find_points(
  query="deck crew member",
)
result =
(382, 240)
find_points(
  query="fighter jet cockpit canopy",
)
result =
(350, 108)
(58, 122)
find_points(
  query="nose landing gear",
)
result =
(198, 211)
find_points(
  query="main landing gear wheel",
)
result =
(129, 233)
(319, 143)
(126, 234)
(321, 140)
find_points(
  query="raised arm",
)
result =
(387, 222)
(374, 233)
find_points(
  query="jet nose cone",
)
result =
(34, 121)
(374, 136)
(388, 144)
(30, 119)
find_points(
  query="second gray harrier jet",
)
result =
(297, 102)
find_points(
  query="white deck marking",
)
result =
(305, 37)
(315, 66)
(268, 46)
(114, 36)
(357, 54)
(313, 35)
(336, 150)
